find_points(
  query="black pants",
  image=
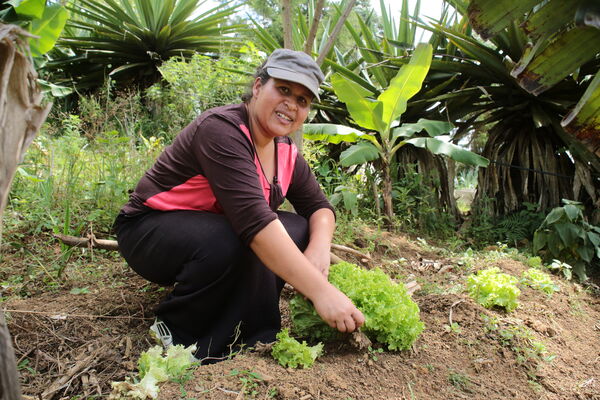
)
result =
(223, 296)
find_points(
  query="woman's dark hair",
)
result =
(261, 73)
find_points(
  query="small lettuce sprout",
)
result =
(539, 280)
(291, 353)
(491, 287)
(535, 262)
(155, 368)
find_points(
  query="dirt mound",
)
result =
(72, 343)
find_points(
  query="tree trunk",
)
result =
(336, 31)
(388, 208)
(9, 379)
(21, 115)
(287, 23)
(314, 27)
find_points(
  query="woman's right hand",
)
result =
(337, 310)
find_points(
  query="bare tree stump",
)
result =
(21, 115)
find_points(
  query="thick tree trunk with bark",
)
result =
(21, 115)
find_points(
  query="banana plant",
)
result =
(44, 21)
(380, 118)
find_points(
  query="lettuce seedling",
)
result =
(490, 287)
(155, 368)
(391, 317)
(539, 280)
(291, 353)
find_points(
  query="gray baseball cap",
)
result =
(295, 66)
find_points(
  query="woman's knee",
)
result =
(296, 226)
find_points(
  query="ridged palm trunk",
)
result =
(530, 164)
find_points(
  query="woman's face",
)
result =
(280, 107)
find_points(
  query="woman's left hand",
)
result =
(319, 257)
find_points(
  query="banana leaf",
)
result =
(437, 146)
(366, 112)
(489, 17)
(405, 84)
(359, 153)
(332, 133)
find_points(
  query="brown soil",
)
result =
(70, 344)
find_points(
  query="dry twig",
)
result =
(350, 250)
(53, 313)
(451, 308)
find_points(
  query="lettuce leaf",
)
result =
(490, 287)
(539, 280)
(291, 353)
(154, 368)
(391, 316)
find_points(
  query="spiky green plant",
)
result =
(129, 39)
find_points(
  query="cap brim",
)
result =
(294, 77)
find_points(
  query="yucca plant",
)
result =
(127, 40)
(562, 37)
(532, 158)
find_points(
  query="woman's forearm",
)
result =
(321, 227)
(279, 253)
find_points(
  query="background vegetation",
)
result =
(137, 72)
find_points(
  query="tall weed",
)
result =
(70, 183)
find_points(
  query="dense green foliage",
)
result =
(391, 317)
(567, 236)
(514, 228)
(192, 86)
(291, 353)
(69, 184)
(491, 287)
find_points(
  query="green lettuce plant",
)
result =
(154, 368)
(490, 287)
(391, 316)
(539, 280)
(291, 353)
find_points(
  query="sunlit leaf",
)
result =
(365, 112)
(31, 8)
(406, 84)
(48, 28)
(335, 134)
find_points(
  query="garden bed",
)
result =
(73, 337)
